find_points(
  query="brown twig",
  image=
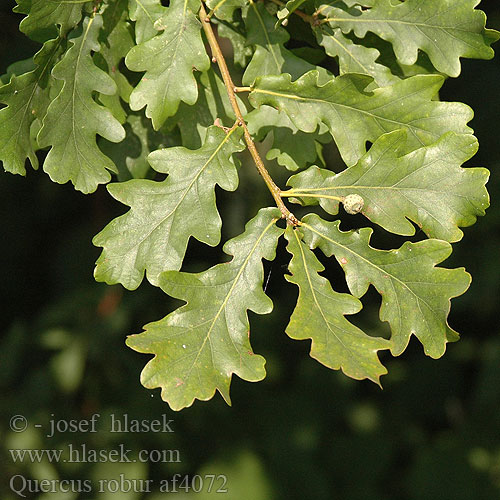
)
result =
(228, 82)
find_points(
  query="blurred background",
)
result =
(305, 432)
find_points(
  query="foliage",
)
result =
(313, 73)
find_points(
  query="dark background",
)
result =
(305, 431)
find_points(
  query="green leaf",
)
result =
(199, 346)
(241, 52)
(427, 186)
(355, 116)
(212, 104)
(23, 98)
(18, 68)
(290, 7)
(145, 13)
(73, 118)
(154, 234)
(168, 60)
(353, 58)
(320, 316)
(415, 294)
(270, 57)
(291, 148)
(44, 15)
(118, 43)
(138, 165)
(362, 3)
(224, 9)
(130, 155)
(445, 29)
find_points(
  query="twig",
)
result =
(228, 82)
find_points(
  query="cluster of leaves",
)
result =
(127, 87)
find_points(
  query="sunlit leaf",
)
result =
(355, 116)
(168, 60)
(154, 234)
(199, 346)
(427, 186)
(24, 101)
(415, 294)
(74, 118)
(320, 316)
(145, 13)
(445, 29)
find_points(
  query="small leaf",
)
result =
(362, 3)
(445, 29)
(168, 60)
(212, 104)
(415, 294)
(24, 104)
(130, 155)
(241, 52)
(355, 116)
(291, 147)
(118, 43)
(154, 234)
(199, 346)
(426, 186)
(224, 9)
(145, 13)
(138, 166)
(73, 118)
(320, 316)
(44, 15)
(290, 7)
(270, 57)
(354, 58)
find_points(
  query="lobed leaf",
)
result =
(445, 29)
(43, 16)
(320, 316)
(241, 52)
(355, 116)
(168, 60)
(118, 43)
(24, 96)
(415, 294)
(270, 56)
(291, 147)
(224, 9)
(73, 118)
(352, 57)
(427, 186)
(145, 13)
(199, 346)
(154, 234)
(288, 9)
(212, 105)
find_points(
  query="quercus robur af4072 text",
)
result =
(362, 74)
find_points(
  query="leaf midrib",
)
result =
(350, 108)
(320, 309)
(228, 295)
(186, 190)
(402, 283)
